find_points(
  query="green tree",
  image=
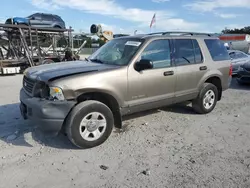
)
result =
(244, 30)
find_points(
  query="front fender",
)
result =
(103, 91)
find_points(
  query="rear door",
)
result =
(188, 60)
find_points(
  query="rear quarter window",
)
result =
(217, 50)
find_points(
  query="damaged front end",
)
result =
(45, 106)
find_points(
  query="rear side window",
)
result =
(37, 16)
(187, 51)
(217, 50)
(46, 17)
(184, 54)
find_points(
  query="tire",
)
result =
(198, 103)
(83, 135)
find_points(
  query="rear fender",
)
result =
(209, 74)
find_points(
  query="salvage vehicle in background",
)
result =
(239, 42)
(243, 74)
(238, 58)
(126, 75)
(39, 20)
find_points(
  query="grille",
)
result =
(28, 84)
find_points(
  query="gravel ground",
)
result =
(170, 147)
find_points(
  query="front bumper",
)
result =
(48, 115)
(243, 77)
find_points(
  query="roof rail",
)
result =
(182, 33)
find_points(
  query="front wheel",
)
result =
(206, 100)
(89, 124)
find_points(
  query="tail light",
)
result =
(231, 70)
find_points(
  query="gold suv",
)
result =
(126, 75)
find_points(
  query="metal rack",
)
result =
(22, 45)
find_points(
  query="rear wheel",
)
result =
(206, 100)
(89, 124)
(57, 27)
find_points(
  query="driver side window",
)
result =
(158, 52)
(37, 16)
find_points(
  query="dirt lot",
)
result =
(171, 147)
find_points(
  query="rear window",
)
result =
(57, 18)
(217, 50)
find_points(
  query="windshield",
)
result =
(116, 51)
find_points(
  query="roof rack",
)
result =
(182, 33)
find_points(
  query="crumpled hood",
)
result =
(62, 69)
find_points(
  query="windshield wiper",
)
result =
(186, 59)
(86, 59)
(97, 61)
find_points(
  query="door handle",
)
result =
(168, 73)
(203, 68)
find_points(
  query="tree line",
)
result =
(244, 30)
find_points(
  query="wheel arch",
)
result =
(106, 98)
(57, 26)
(216, 80)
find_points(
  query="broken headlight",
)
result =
(41, 90)
(56, 93)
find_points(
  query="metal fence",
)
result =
(88, 51)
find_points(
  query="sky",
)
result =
(126, 16)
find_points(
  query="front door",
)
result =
(154, 87)
(36, 20)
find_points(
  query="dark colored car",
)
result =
(238, 58)
(243, 74)
(39, 20)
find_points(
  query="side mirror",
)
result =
(143, 64)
